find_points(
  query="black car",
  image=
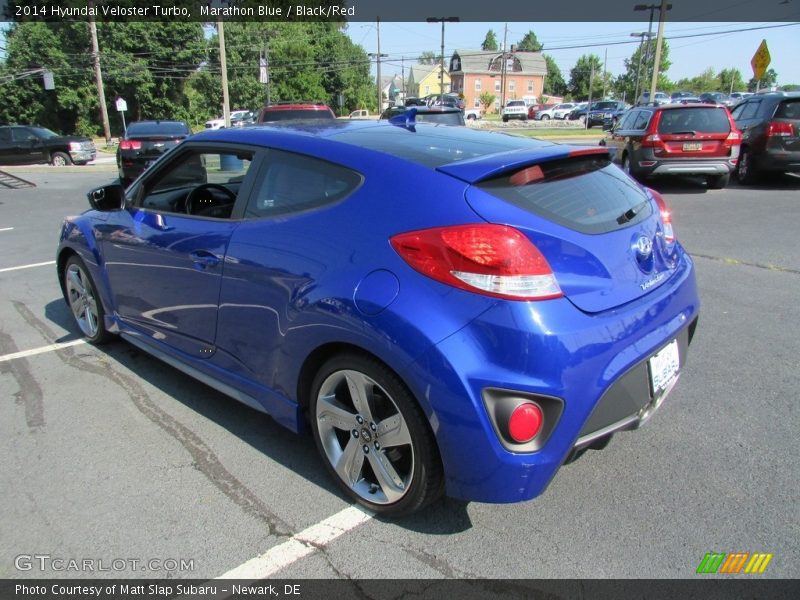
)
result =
(444, 115)
(144, 142)
(770, 126)
(29, 144)
(605, 110)
(715, 98)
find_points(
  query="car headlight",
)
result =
(74, 146)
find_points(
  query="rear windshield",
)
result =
(162, 128)
(698, 119)
(602, 105)
(587, 194)
(443, 118)
(293, 115)
(790, 109)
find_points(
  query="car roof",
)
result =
(296, 105)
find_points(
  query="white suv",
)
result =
(559, 111)
(515, 109)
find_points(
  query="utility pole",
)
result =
(589, 104)
(503, 73)
(223, 65)
(98, 78)
(377, 55)
(605, 62)
(442, 20)
(659, 40)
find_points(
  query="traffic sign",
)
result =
(760, 60)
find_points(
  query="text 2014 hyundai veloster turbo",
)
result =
(448, 311)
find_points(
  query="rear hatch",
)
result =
(602, 233)
(693, 132)
(148, 143)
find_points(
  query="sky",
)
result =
(690, 56)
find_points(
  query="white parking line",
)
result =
(300, 545)
(42, 350)
(42, 264)
(6, 228)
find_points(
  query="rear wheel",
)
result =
(60, 159)
(746, 172)
(373, 436)
(717, 182)
(545, 117)
(87, 309)
(505, 119)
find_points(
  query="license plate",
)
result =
(609, 115)
(690, 146)
(664, 366)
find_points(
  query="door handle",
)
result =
(203, 259)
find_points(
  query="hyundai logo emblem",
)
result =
(644, 246)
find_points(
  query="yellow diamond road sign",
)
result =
(760, 60)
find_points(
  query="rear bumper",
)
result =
(693, 168)
(780, 161)
(593, 366)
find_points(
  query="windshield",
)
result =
(156, 128)
(292, 115)
(44, 133)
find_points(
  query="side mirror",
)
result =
(107, 198)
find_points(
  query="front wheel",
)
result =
(745, 169)
(60, 159)
(545, 117)
(373, 436)
(86, 307)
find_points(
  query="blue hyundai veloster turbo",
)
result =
(448, 311)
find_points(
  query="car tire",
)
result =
(373, 437)
(746, 173)
(505, 119)
(717, 182)
(83, 301)
(545, 118)
(60, 159)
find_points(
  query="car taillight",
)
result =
(494, 260)
(780, 129)
(734, 138)
(652, 141)
(130, 145)
(666, 218)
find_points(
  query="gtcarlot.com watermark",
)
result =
(59, 564)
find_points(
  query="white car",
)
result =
(220, 123)
(472, 114)
(559, 111)
(515, 109)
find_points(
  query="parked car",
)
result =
(677, 139)
(445, 100)
(360, 114)
(737, 97)
(291, 111)
(559, 111)
(715, 98)
(443, 115)
(515, 109)
(144, 142)
(447, 310)
(770, 125)
(414, 101)
(534, 109)
(240, 118)
(237, 117)
(29, 144)
(599, 113)
(473, 114)
(660, 98)
(676, 97)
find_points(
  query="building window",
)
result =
(477, 85)
(530, 86)
(427, 90)
(476, 103)
(512, 85)
(497, 85)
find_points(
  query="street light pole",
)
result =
(659, 41)
(442, 20)
(662, 8)
(641, 35)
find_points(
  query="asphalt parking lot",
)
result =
(110, 455)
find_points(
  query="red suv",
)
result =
(677, 139)
(291, 111)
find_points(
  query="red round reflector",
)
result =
(525, 422)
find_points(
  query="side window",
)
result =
(291, 183)
(5, 135)
(203, 183)
(642, 119)
(628, 120)
(749, 110)
(22, 134)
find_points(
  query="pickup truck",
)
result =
(472, 114)
(28, 144)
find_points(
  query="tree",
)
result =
(769, 79)
(490, 42)
(529, 43)
(428, 58)
(487, 99)
(625, 84)
(554, 84)
(580, 75)
(731, 80)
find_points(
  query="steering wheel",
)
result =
(196, 204)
